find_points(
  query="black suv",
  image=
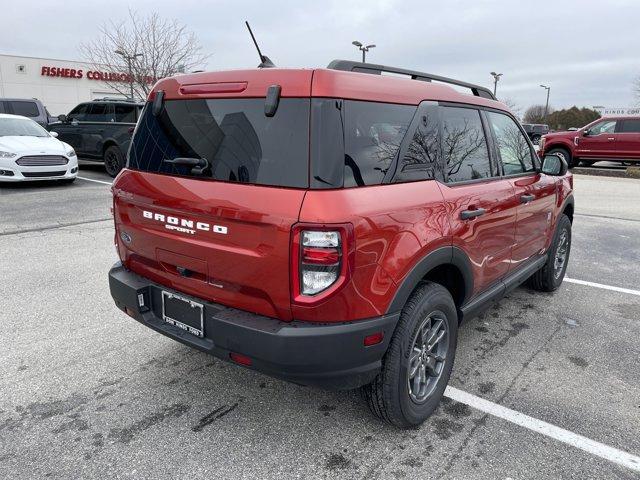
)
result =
(100, 130)
(535, 131)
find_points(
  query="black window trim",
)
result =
(490, 148)
(391, 175)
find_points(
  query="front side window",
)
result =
(233, 138)
(464, 145)
(373, 133)
(98, 113)
(79, 113)
(513, 147)
(608, 126)
(26, 109)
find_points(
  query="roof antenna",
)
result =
(265, 62)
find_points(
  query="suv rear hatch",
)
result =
(216, 222)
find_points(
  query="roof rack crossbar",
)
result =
(350, 66)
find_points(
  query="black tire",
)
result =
(564, 153)
(550, 276)
(393, 396)
(536, 139)
(113, 160)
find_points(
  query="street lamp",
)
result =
(362, 48)
(129, 59)
(496, 77)
(546, 107)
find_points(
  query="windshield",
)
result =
(21, 127)
(232, 138)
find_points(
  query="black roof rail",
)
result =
(350, 66)
(114, 99)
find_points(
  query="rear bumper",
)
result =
(326, 355)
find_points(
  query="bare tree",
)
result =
(535, 114)
(512, 105)
(156, 47)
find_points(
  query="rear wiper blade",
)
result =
(199, 164)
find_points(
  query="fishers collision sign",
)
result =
(102, 76)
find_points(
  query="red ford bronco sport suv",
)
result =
(333, 227)
(609, 138)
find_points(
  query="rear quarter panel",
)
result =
(395, 226)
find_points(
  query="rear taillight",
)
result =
(321, 260)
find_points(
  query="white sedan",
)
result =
(29, 152)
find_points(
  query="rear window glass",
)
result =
(373, 133)
(26, 109)
(238, 142)
(125, 113)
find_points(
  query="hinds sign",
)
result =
(63, 72)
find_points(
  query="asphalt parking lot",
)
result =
(86, 392)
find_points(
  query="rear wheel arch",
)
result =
(107, 144)
(447, 266)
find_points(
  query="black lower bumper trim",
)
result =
(330, 355)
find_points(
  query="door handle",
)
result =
(611, 138)
(476, 212)
(527, 198)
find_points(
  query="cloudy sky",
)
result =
(588, 52)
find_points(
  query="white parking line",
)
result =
(92, 180)
(605, 287)
(578, 441)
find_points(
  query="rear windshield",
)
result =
(240, 143)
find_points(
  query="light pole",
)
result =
(546, 107)
(496, 77)
(362, 48)
(129, 59)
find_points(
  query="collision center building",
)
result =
(59, 84)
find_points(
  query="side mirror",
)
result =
(62, 118)
(586, 133)
(54, 134)
(554, 165)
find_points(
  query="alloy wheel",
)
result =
(427, 358)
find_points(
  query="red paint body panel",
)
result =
(248, 268)
(487, 240)
(391, 236)
(391, 227)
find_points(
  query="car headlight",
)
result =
(7, 154)
(71, 152)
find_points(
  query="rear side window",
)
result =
(239, 143)
(125, 113)
(630, 126)
(372, 136)
(514, 150)
(464, 145)
(26, 109)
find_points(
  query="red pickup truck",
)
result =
(609, 138)
(333, 227)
